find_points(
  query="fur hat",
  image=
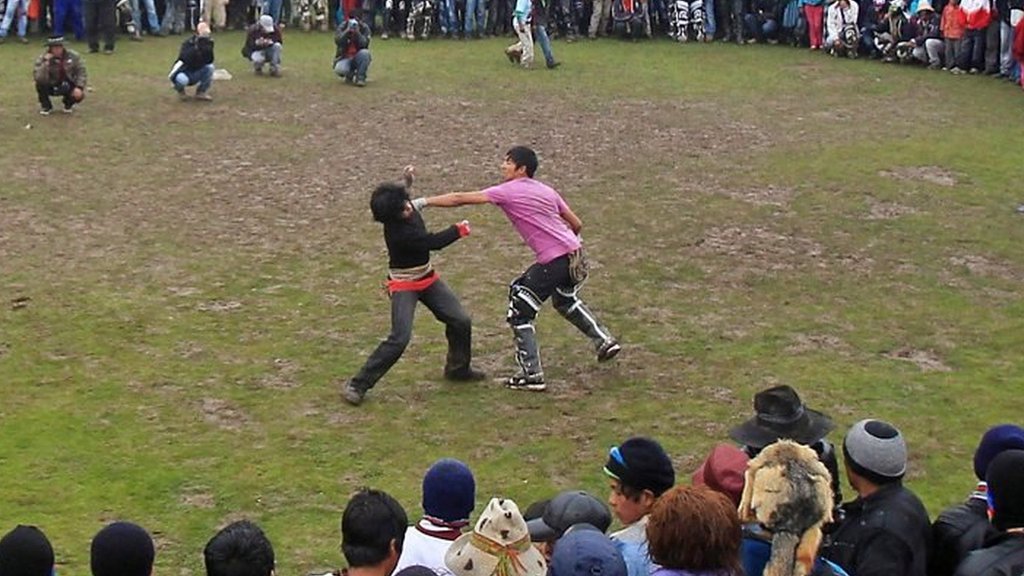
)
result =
(499, 545)
(567, 509)
(779, 413)
(586, 553)
(788, 491)
(641, 463)
(25, 551)
(1005, 479)
(723, 471)
(122, 549)
(449, 491)
(995, 440)
(876, 447)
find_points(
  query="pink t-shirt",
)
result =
(534, 209)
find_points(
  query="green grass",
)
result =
(203, 277)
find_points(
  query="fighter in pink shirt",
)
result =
(551, 229)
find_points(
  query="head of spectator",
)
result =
(779, 414)
(25, 551)
(372, 532)
(569, 508)
(723, 471)
(203, 30)
(1005, 480)
(122, 549)
(640, 472)
(499, 545)
(449, 493)
(694, 529)
(55, 45)
(787, 491)
(875, 455)
(239, 549)
(585, 551)
(996, 440)
(416, 570)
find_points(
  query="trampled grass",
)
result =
(201, 278)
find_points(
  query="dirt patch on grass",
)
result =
(979, 265)
(760, 247)
(926, 360)
(223, 414)
(805, 343)
(887, 210)
(197, 498)
(764, 196)
(930, 174)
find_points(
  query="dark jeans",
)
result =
(445, 306)
(44, 91)
(972, 50)
(100, 19)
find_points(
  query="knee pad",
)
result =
(523, 305)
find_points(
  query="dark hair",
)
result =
(387, 202)
(371, 521)
(240, 549)
(356, 13)
(523, 156)
(696, 529)
(873, 477)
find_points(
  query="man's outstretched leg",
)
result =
(403, 309)
(569, 305)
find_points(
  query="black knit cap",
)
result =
(122, 549)
(25, 551)
(641, 463)
(1005, 478)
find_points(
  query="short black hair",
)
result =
(371, 521)
(524, 156)
(240, 549)
(388, 201)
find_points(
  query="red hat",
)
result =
(723, 471)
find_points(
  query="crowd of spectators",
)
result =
(767, 504)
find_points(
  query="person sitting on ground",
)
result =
(239, 549)
(694, 531)
(927, 44)
(59, 72)
(352, 55)
(1003, 553)
(499, 545)
(263, 43)
(629, 19)
(194, 64)
(412, 279)
(893, 35)
(25, 551)
(449, 495)
(962, 528)
(122, 549)
(841, 33)
(585, 551)
(762, 22)
(640, 472)
(372, 533)
(885, 530)
(567, 509)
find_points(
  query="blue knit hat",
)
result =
(25, 551)
(996, 440)
(122, 549)
(449, 491)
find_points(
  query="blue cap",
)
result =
(586, 552)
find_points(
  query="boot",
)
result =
(530, 375)
(584, 320)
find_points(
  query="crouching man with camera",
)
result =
(352, 56)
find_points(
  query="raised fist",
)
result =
(463, 228)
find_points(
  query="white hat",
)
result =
(499, 545)
(267, 23)
(925, 5)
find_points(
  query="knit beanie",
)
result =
(996, 440)
(1005, 478)
(122, 549)
(449, 491)
(878, 448)
(25, 551)
(641, 463)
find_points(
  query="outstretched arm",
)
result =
(457, 199)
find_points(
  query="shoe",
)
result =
(68, 110)
(135, 37)
(352, 395)
(258, 70)
(108, 51)
(183, 96)
(608, 350)
(553, 65)
(203, 96)
(22, 39)
(384, 36)
(934, 66)
(467, 375)
(360, 82)
(275, 71)
(530, 383)
(45, 111)
(955, 70)
(349, 79)
(973, 71)
(93, 50)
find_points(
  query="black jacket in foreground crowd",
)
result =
(885, 534)
(956, 532)
(1003, 555)
(196, 52)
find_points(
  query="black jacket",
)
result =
(196, 52)
(350, 40)
(885, 534)
(409, 243)
(1002, 555)
(957, 532)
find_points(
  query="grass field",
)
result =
(186, 285)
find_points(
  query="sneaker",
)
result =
(275, 71)
(973, 71)
(203, 96)
(258, 70)
(349, 79)
(530, 383)
(956, 70)
(68, 110)
(45, 111)
(384, 36)
(135, 37)
(468, 375)
(361, 82)
(608, 350)
(183, 96)
(553, 65)
(352, 395)
(22, 39)
(108, 51)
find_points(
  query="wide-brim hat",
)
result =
(780, 414)
(499, 545)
